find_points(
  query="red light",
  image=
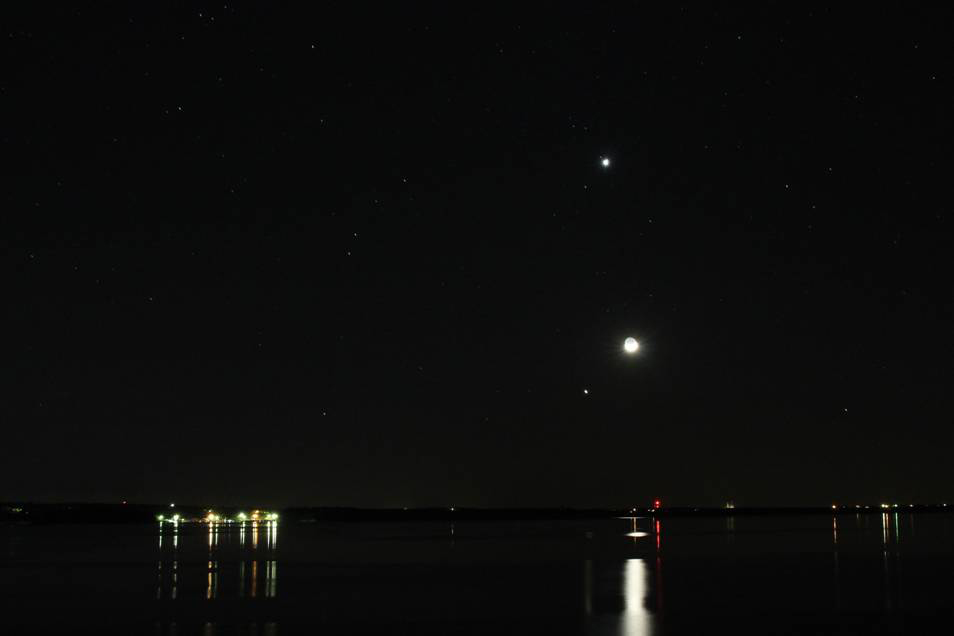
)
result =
(657, 504)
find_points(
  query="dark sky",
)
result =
(261, 253)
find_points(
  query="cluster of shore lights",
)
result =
(884, 506)
(212, 517)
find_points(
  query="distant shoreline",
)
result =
(36, 513)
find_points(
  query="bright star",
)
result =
(605, 162)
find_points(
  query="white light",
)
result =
(605, 162)
(586, 391)
(630, 345)
(635, 618)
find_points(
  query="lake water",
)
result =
(868, 573)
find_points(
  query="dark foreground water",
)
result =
(868, 573)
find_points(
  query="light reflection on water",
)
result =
(616, 592)
(621, 607)
(213, 582)
(606, 575)
(636, 533)
(636, 617)
(271, 573)
(247, 571)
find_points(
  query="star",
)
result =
(586, 391)
(605, 162)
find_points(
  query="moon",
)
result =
(630, 345)
(605, 162)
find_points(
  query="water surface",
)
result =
(865, 573)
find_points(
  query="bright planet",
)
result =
(630, 345)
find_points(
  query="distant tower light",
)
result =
(657, 504)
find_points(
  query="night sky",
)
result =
(367, 256)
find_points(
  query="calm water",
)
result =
(814, 574)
